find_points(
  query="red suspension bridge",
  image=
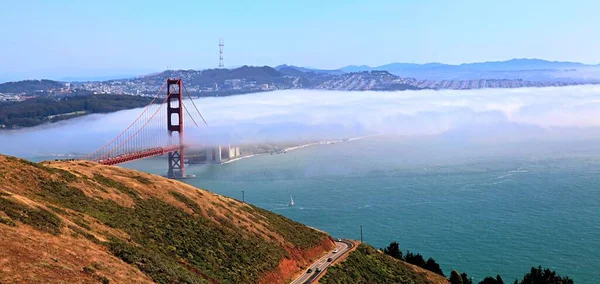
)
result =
(146, 136)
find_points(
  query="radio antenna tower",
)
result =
(221, 45)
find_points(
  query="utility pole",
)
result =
(243, 197)
(361, 235)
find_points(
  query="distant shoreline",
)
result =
(292, 148)
(327, 142)
(240, 158)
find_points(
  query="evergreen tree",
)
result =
(432, 266)
(416, 259)
(455, 278)
(393, 250)
(466, 279)
(491, 280)
(543, 276)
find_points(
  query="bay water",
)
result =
(483, 209)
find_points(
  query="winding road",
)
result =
(342, 247)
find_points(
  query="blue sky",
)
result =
(57, 39)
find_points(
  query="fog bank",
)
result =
(488, 115)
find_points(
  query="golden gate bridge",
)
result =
(145, 136)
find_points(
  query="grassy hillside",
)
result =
(366, 265)
(30, 86)
(209, 77)
(82, 222)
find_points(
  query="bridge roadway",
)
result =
(343, 246)
(157, 151)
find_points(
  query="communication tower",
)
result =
(221, 45)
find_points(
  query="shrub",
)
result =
(168, 237)
(38, 218)
(116, 185)
(7, 221)
(88, 270)
(365, 265)
(289, 229)
(188, 202)
(78, 231)
(160, 268)
(142, 180)
(82, 223)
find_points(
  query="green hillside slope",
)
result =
(80, 221)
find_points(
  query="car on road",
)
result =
(330, 259)
(339, 240)
(318, 269)
(309, 270)
(335, 250)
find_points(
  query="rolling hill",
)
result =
(83, 222)
(30, 86)
(209, 77)
(512, 64)
(310, 70)
(517, 68)
(367, 265)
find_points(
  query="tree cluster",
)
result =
(537, 275)
(394, 251)
(40, 110)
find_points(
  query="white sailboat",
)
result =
(291, 201)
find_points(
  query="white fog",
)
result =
(562, 113)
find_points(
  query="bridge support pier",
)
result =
(175, 124)
(176, 165)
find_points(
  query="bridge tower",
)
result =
(175, 124)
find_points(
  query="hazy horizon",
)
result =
(104, 75)
(84, 39)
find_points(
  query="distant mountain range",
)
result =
(513, 73)
(527, 69)
(523, 68)
(307, 69)
(523, 64)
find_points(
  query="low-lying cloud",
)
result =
(482, 115)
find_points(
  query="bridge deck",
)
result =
(139, 155)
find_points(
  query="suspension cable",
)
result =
(139, 129)
(118, 136)
(190, 97)
(185, 108)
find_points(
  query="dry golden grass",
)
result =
(77, 255)
(159, 187)
(434, 278)
(30, 256)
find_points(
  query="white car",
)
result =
(335, 250)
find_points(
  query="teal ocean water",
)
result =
(480, 209)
